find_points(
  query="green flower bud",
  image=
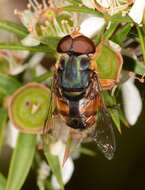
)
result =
(109, 63)
(28, 108)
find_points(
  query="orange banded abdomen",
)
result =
(79, 114)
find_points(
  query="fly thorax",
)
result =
(73, 73)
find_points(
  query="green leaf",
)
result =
(75, 2)
(2, 94)
(42, 77)
(110, 31)
(98, 37)
(119, 18)
(111, 101)
(50, 41)
(8, 85)
(3, 119)
(123, 119)
(54, 164)
(82, 10)
(139, 68)
(86, 151)
(21, 161)
(121, 34)
(2, 182)
(116, 118)
(19, 46)
(14, 28)
(48, 185)
(142, 41)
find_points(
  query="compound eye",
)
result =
(64, 44)
(83, 45)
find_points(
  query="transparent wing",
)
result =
(49, 121)
(103, 133)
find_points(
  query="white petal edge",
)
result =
(12, 135)
(90, 26)
(131, 100)
(137, 10)
(114, 46)
(44, 170)
(29, 41)
(89, 3)
(58, 149)
(104, 3)
(27, 18)
(67, 172)
(36, 59)
(18, 69)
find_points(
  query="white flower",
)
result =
(44, 170)
(15, 60)
(36, 59)
(115, 46)
(58, 149)
(30, 41)
(46, 19)
(28, 17)
(11, 135)
(110, 6)
(137, 11)
(34, 62)
(105, 3)
(89, 3)
(90, 26)
(131, 100)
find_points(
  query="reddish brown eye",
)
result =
(64, 44)
(83, 45)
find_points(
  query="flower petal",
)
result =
(30, 41)
(89, 3)
(44, 170)
(91, 26)
(18, 69)
(137, 10)
(11, 135)
(67, 170)
(27, 17)
(104, 3)
(132, 101)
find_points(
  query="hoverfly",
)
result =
(77, 89)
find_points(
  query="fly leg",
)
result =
(115, 107)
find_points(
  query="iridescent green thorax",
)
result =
(73, 72)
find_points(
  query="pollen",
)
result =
(64, 22)
(29, 6)
(80, 5)
(43, 27)
(17, 12)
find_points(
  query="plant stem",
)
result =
(141, 42)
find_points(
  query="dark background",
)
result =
(125, 171)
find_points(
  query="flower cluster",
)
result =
(46, 19)
(134, 8)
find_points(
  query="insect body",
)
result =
(78, 91)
